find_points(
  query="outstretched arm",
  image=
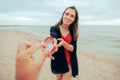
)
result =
(27, 68)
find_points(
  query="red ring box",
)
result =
(49, 43)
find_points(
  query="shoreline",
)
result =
(40, 37)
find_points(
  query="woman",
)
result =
(65, 31)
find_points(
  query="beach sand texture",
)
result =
(90, 67)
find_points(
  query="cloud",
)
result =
(22, 18)
(109, 22)
(47, 12)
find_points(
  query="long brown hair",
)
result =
(74, 26)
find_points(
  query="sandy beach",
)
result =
(91, 67)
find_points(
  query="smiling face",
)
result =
(70, 19)
(69, 16)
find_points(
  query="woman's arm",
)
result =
(54, 32)
(66, 45)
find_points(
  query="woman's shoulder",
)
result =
(54, 27)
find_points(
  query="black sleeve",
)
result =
(74, 43)
(54, 32)
(74, 60)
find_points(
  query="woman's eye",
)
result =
(72, 16)
(67, 14)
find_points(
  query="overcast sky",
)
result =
(48, 12)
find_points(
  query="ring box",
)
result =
(49, 43)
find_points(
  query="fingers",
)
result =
(55, 41)
(52, 52)
(55, 49)
(59, 39)
(23, 46)
(28, 48)
(61, 43)
(51, 57)
(34, 48)
(49, 53)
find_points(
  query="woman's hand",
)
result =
(61, 43)
(66, 45)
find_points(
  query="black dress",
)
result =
(59, 65)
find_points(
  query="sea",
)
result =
(100, 40)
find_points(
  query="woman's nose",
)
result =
(68, 17)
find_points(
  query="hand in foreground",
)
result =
(27, 68)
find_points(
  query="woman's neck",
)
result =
(65, 27)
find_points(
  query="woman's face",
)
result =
(69, 16)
